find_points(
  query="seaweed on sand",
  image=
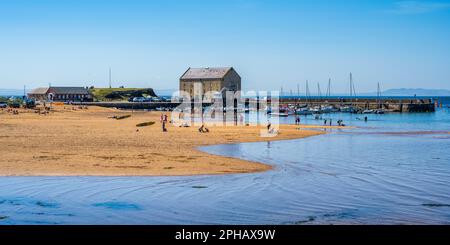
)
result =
(145, 124)
(122, 117)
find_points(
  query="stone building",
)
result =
(214, 80)
(63, 94)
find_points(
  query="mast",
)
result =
(351, 85)
(378, 91)
(110, 77)
(319, 93)
(307, 91)
(329, 88)
(379, 95)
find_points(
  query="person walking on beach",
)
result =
(165, 118)
(164, 129)
(331, 122)
(161, 119)
(325, 122)
(365, 119)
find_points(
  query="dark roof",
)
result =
(69, 90)
(42, 91)
(206, 73)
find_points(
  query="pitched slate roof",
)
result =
(38, 91)
(206, 73)
(69, 90)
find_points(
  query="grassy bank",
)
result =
(120, 94)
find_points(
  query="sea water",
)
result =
(392, 169)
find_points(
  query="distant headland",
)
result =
(412, 92)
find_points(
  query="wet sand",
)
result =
(87, 142)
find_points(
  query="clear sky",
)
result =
(270, 43)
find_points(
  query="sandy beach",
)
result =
(86, 142)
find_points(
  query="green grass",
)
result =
(100, 94)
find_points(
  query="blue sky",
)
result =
(270, 43)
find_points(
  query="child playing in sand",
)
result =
(203, 129)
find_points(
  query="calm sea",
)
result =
(392, 169)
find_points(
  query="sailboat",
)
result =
(282, 113)
(327, 109)
(350, 108)
(303, 111)
(380, 110)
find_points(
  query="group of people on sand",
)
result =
(73, 108)
(42, 111)
(164, 119)
(13, 111)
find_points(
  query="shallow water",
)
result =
(394, 169)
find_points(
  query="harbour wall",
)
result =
(390, 105)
